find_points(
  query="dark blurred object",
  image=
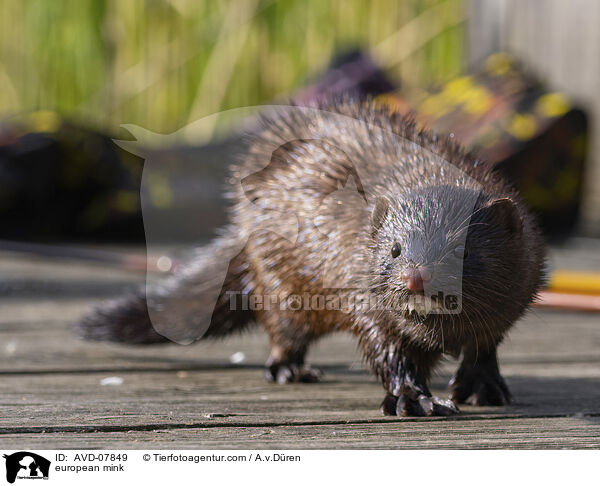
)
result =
(351, 73)
(535, 137)
(64, 181)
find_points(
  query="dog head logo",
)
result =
(26, 464)
(289, 152)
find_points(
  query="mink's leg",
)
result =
(406, 383)
(289, 344)
(478, 380)
(287, 365)
(404, 372)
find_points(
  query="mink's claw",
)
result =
(292, 373)
(419, 406)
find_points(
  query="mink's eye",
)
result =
(396, 250)
(460, 252)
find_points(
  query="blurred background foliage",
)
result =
(162, 64)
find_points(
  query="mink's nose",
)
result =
(415, 278)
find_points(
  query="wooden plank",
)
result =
(240, 397)
(528, 433)
(23, 266)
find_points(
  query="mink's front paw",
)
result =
(412, 405)
(479, 386)
(283, 373)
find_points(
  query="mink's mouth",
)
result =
(420, 306)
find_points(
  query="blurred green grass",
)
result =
(161, 64)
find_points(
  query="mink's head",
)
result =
(446, 254)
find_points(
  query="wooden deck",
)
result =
(195, 397)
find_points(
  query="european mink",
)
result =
(443, 248)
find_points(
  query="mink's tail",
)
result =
(200, 300)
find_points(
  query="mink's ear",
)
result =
(380, 211)
(506, 213)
